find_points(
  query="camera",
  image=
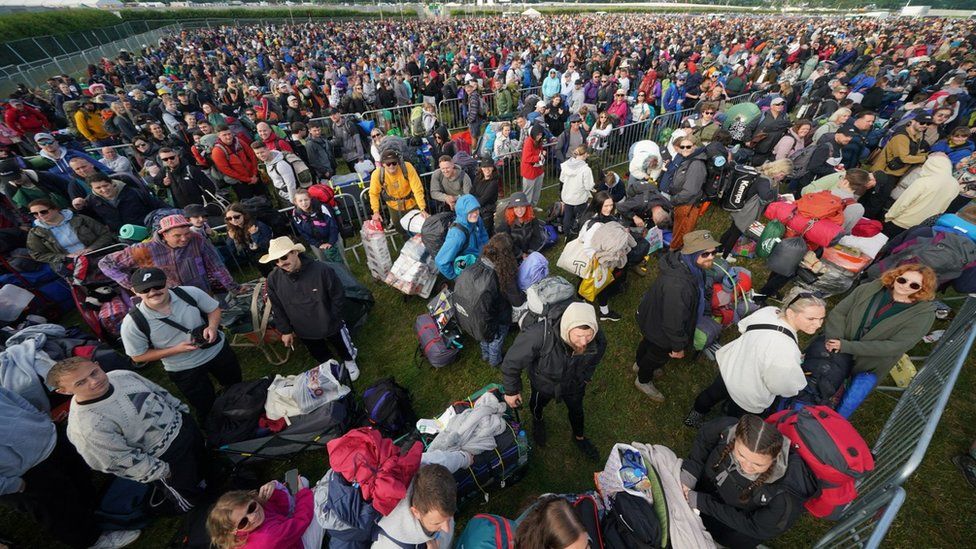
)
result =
(198, 339)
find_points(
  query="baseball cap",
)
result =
(172, 222)
(43, 137)
(518, 199)
(698, 241)
(486, 162)
(849, 132)
(574, 118)
(389, 155)
(9, 170)
(147, 279)
(777, 101)
(923, 119)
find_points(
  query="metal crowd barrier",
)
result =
(866, 525)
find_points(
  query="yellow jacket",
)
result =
(402, 193)
(900, 146)
(90, 125)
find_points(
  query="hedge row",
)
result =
(184, 14)
(30, 24)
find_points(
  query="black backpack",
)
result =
(735, 195)
(718, 169)
(826, 373)
(236, 412)
(260, 209)
(631, 524)
(475, 295)
(389, 408)
(434, 231)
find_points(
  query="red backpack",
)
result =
(832, 449)
(325, 194)
(822, 205)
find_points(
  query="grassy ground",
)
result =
(938, 512)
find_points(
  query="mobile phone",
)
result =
(291, 481)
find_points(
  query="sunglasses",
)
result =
(912, 285)
(708, 112)
(924, 123)
(147, 291)
(167, 159)
(686, 146)
(377, 135)
(39, 213)
(45, 143)
(799, 296)
(708, 253)
(390, 164)
(251, 508)
(233, 217)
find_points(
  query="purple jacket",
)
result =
(590, 91)
(196, 264)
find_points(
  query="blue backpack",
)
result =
(487, 532)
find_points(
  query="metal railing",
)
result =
(867, 525)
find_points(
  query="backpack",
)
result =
(467, 163)
(832, 449)
(631, 523)
(389, 408)
(717, 171)
(801, 161)
(822, 205)
(303, 175)
(735, 194)
(826, 373)
(260, 208)
(475, 295)
(235, 413)
(487, 532)
(667, 178)
(142, 323)
(325, 194)
(435, 228)
(431, 342)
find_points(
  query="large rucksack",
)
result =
(545, 298)
(631, 523)
(260, 209)
(487, 532)
(826, 373)
(432, 343)
(303, 175)
(718, 170)
(434, 231)
(467, 164)
(236, 412)
(832, 449)
(734, 196)
(823, 205)
(389, 408)
(475, 294)
(801, 161)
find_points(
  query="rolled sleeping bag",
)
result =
(786, 256)
(412, 221)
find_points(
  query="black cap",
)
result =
(9, 170)
(518, 199)
(486, 162)
(847, 131)
(147, 279)
(923, 119)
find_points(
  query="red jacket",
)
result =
(279, 531)
(275, 143)
(25, 121)
(383, 473)
(237, 161)
(531, 154)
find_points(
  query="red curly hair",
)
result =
(929, 280)
(510, 215)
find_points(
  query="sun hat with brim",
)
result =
(280, 247)
(698, 241)
(174, 221)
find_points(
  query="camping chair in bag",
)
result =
(248, 321)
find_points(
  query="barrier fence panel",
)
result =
(866, 526)
(907, 433)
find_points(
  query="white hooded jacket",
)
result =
(577, 179)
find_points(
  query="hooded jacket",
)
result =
(441, 188)
(641, 205)
(236, 161)
(187, 184)
(400, 529)
(882, 346)
(929, 195)
(667, 314)
(316, 226)
(715, 486)
(130, 206)
(455, 244)
(640, 155)
(195, 264)
(761, 364)
(43, 243)
(28, 437)
(282, 174)
(307, 303)
(547, 355)
(577, 182)
(319, 151)
(64, 156)
(686, 186)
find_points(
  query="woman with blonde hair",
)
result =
(834, 122)
(763, 190)
(260, 519)
(879, 321)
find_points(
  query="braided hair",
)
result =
(759, 437)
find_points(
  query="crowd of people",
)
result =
(869, 122)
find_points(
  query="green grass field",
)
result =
(938, 512)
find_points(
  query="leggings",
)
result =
(729, 238)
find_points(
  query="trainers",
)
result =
(639, 269)
(635, 368)
(731, 260)
(116, 539)
(695, 419)
(352, 368)
(610, 315)
(650, 390)
(539, 432)
(967, 466)
(710, 351)
(588, 449)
